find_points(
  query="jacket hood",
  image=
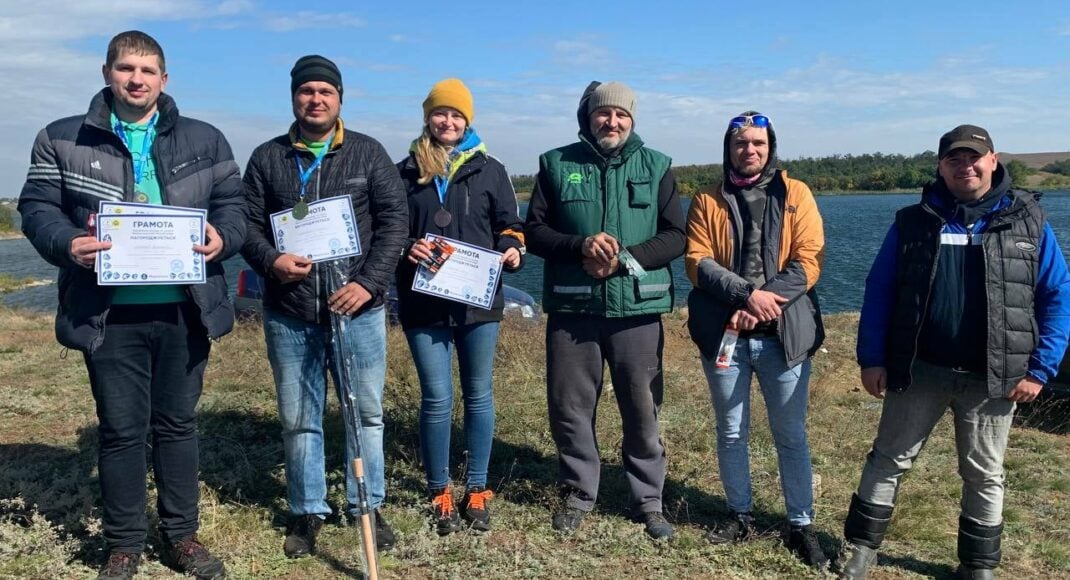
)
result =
(940, 198)
(770, 164)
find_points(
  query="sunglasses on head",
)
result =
(760, 121)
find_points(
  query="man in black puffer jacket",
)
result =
(147, 368)
(318, 159)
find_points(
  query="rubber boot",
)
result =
(863, 533)
(979, 549)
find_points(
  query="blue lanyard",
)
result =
(306, 174)
(142, 160)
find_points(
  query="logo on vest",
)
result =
(575, 178)
(1025, 246)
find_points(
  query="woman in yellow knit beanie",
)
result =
(457, 191)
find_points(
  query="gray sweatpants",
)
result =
(982, 426)
(577, 347)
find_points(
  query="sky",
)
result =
(835, 77)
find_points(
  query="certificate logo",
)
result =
(177, 266)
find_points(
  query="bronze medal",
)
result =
(300, 210)
(443, 217)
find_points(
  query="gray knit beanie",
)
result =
(612, 94)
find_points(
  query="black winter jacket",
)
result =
(77, 162)
(356, 165)
(481, 199)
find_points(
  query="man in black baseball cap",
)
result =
(965, 308)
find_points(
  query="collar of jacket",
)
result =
(99, 114)
(295, 137)
(633, 144)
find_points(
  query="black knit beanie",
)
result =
(314, 67)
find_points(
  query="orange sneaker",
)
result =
(474, 508)
(446, 516)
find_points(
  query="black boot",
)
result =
(979, 549)
(863, 533)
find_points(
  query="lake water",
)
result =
(854, 228)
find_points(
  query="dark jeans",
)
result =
(577, 349)
(146, 378)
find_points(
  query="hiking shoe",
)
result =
(120, 566)
(384, 534)
(738, 528)
(854, 561)
(301, 535)
(568, 519)
(474, 508)
(657, 526)
(967, 573)
(802, 540)
(191, 558)
(446, 516)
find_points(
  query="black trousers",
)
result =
(577, 349)
(146, 379)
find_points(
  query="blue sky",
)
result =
(835, 77)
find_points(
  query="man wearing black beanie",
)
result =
(327, 160)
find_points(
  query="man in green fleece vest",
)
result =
(606, 217)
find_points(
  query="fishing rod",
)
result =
(337, 278)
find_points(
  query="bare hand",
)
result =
(875, 380)
(291, 268)
(1026, 390)
(214, 245)
(764, 305)
(511, 258)
(420, 251)
(596, 269)
(742, 320)
(602, 247)
(348, 299)
(84, 250)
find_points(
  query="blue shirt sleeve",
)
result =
(878, 304)
(1052, 308)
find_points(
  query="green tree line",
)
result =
(867, 172)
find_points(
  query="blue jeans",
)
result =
(982, 427)
(300, 354)
(786, 395)
(432, 349)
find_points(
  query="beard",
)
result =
(749, 171)
(610, 143)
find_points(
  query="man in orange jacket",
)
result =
(754, 252)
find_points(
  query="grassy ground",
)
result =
(50, 526)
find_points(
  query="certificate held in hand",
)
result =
(327, 232)
(465, 273)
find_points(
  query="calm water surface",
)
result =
(854, 228)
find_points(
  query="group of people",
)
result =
(967, 306)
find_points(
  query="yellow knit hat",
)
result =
(450, 93)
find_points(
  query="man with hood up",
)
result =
(967, 306)
(754, 251)
(606, 217)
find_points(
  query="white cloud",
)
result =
(308, 19)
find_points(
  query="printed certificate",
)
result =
(117, 208)
(328, 232)
(470, 275)
(150, 249)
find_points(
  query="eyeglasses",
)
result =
(760, 121)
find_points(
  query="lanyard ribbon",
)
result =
(142, 160)
(306, 174)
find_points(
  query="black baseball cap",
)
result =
(969, 137)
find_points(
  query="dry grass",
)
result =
(49, 517)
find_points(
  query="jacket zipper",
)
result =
(928, 297)
(174, 170)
